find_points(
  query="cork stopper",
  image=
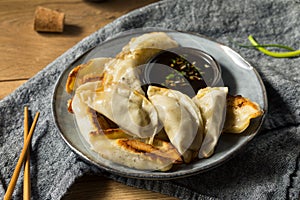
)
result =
(47, 20)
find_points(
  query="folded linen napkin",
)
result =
(267, 168)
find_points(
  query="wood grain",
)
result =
(8, 87)
(98, 187)
(25, 52)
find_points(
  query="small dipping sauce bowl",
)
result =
(184, 69)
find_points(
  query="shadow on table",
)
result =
(72, 30)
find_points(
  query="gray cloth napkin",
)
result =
(267, 168)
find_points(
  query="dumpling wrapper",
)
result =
(181, 119)
(129, 109)
(123, 71)
(92, 70)
(112, 149)
(240, 111)
(212, 105)
(125, 67)
(143, 47)
(117, 150)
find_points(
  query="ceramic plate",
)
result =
(237, 74)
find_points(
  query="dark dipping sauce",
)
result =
(184, 69)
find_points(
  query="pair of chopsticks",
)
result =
(24, 158)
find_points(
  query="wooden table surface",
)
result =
(25, 52)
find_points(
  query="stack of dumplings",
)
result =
(153, 129)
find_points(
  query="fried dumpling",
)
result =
(181, 119)
(121, 148)
(129, 109)
(135, 153)
(123, 71)
(240, 111)
(125, 67)
(143, 47)
(90, 71)
(212, 105)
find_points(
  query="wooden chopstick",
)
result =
(26, 180)
(16, 173)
